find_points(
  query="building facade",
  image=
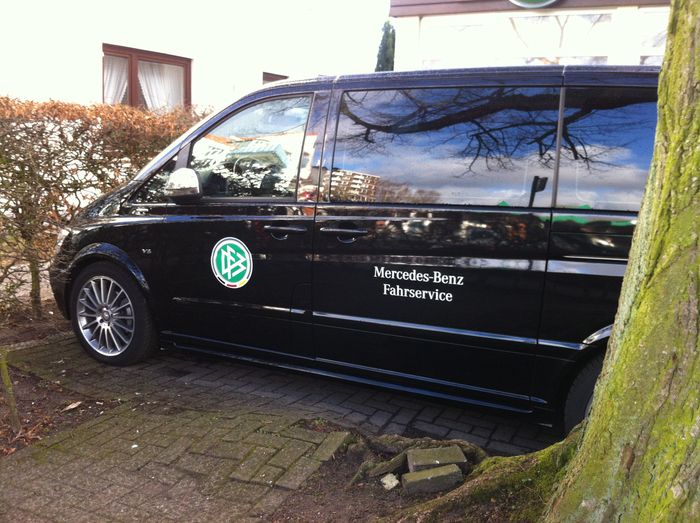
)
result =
(481, 33)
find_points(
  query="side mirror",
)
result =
(183, 186)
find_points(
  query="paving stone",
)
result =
(203, 464)
(229, 449)
(141, 458)
(161, 473)
(272, 440)
(472, 419)
(429, 414)
(431, 480)
(503, 433)
(358, 407)
(421, 459)
(481, 431)
(289, 453)
(355, 418)
(298, 473)
(242, 430)
(304, 434)
(174, 451)
(252, 462)
(330, 445)
(344, 411)
(404, 416)
(380, 418)
(476, 440)
(394, 428)
(429, 428)
(457, 434)
(267, 475)
(277, 425)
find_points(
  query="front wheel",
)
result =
(110, 315)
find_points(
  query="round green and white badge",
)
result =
(231, 263)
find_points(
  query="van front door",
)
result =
(431, 243)
(238, 257)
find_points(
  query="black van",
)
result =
(457, 233)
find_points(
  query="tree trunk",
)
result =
(639, 459)
(35, 291)
(15, 421)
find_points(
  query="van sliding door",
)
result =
(431, 239)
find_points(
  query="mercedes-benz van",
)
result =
(457, 233)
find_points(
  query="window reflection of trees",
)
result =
(498, 140)
(489, 137)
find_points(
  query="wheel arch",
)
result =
(97, 252)
(593, 346)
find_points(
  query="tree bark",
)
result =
(639, 459)
(15, 421)
(35, 290)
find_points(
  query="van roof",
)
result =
(623, 75)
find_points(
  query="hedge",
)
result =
(55, 158)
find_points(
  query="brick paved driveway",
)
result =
(200, 436)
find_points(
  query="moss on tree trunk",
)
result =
(639, 459)
(501, 489)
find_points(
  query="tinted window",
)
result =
(255, 153)
(607, 145)
(153, 191)
(463, 146)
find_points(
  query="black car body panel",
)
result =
(492, 304)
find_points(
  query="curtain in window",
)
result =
(162, 85)
(115, 77)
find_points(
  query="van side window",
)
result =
(254, 153)
(153, 191)
(606, 148)
(459, 146)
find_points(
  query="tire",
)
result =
(110, 315)
(578, 399)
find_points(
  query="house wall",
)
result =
(614, 35)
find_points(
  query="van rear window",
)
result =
(456, 146)
(606, 148)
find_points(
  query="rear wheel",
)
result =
(110, 315)
(578, 400)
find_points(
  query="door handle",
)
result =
(344, 232)
(285, 229)
(282, 232)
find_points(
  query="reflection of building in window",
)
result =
(309, 168)
(353, 186)
(402, 192)
(156, 81)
